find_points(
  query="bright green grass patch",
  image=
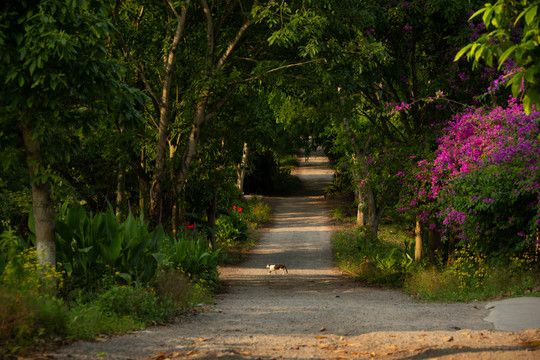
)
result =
(343, 214)
(469, 275)
(371, 260)
(289, 161)
(473, 277)
(89, 320)
(257, 211)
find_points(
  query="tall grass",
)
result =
(371, 260)
(469, 275)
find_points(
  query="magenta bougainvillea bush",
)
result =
(486, 175)
(483, 183)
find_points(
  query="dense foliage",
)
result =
(128, 129)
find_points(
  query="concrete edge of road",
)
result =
(514, 314)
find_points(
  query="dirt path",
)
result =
(313, 312)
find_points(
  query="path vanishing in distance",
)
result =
(313, 312)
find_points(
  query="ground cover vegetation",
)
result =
(130, 131)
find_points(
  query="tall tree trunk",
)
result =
(241, 169)
(211, 213)
(163, 102)
(418, 244)
(175, 216)
(374, 212)
(360, 209)
(360, 201)
(211, 209)
(434, 243)
(192, 144)
(138, 166)
(120, 189)
(42, 204)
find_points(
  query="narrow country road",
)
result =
(313, 312)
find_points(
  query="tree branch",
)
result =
(181, 22)
(210, 46)
(237, 38)
(276, 69)
(139, 68)
(220, 103)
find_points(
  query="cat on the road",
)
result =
(277, 267)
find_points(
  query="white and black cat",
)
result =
(277, 267)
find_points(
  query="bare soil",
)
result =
(313, 312)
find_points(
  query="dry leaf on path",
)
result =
(327, 347)
(533, 343)
(159, 356)
(349, 344)
(202, 339)
(241, 352)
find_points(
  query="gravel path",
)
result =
(312, 312)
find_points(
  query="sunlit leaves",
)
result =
(516, 37)
(301, 26)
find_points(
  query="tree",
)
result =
(383, 56)
(192, 82)
(515, 37)
(58, 81)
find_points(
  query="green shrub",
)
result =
(173, 285)
(285, 183)
(29, 312)
(371, 260)
(90, 247)
(232, 227)
(342, 214)
(10, 245)
(137, 302)
(289, 161)
(256, 211)
(474, 276)
(194, 257)
(433, 284)
(86, 321)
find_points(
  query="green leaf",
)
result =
(125, 276)
(505, 54)
(68, 268)
(486, 18)
(462, 52)
(529, 75)
(527, 104)
(478, 13)
(85, 250)
(531, 14)
(532, 97)
(161, 259)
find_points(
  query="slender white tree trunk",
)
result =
(241, 170)
(42, 204)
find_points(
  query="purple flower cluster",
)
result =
(476, 139)
(500, 148)
(396, 108)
